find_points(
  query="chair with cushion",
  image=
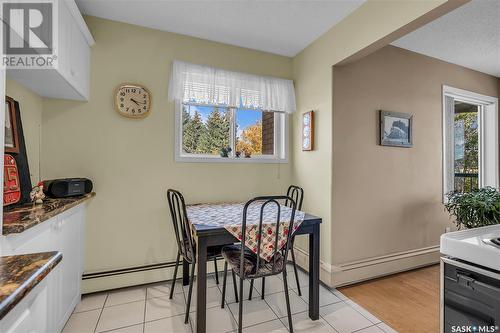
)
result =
(297, 194)
(186, 246)
(249, 265)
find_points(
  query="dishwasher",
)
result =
(470, 297)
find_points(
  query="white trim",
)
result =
(370, 268)
(281, 145)
(488, 136)
(325, 269)
(468, 96)
(75, 12)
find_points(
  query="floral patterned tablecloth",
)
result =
(230, 216)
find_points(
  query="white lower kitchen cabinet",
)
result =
(31, 314)
(60, 291)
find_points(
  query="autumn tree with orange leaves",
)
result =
(250, 140)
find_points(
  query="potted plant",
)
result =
(224, 152)
(474, 209)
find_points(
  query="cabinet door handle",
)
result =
(478, 286)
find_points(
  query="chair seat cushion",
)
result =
(212, 251)
(232, 254)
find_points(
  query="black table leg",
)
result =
(185, 272)
(201, 290)
(314, 273)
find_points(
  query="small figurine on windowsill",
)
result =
(224, 152)
(37, 194)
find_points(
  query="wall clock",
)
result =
(308, 131)
(132, 100)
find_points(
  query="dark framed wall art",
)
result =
(396, 129)
(15, 147)
(11, 143)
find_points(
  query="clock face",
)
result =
(132, 100)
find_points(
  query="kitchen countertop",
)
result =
(18, 219)
(19, 274)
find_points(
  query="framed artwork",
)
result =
(19, 158)
(308, 131)
(11, 142)
(396, 129)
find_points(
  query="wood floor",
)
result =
(408, 302)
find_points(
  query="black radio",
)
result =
(67, 187)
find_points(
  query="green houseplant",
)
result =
(474, 209)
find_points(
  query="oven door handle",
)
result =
(481, 287)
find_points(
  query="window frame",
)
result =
(488, 137)
(281, 140)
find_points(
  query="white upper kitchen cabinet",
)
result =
(71, 78)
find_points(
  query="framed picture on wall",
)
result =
(396, 129)
(16, 148)
(308, 131)
(11, 143)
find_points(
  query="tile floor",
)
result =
(147, 309)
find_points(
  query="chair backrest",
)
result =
(297, 194)
(185, 242)
(267, 202)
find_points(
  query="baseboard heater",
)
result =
(135, 269)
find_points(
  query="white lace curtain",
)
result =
(213, 86)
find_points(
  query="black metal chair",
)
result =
(186, 247)
(297, 194)
(249, 265)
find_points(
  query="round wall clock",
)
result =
(132, 100)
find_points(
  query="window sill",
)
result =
(241, 160)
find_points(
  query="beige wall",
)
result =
(389, 199)
(30, 105)
(368, 27)
(132, 161)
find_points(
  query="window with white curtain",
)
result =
(470, 141)
(225, 116)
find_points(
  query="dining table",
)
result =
(207, 234)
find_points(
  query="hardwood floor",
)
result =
(408, 302)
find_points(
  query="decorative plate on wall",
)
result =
(308, 131)
(132, 100)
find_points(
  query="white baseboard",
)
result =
(362, 270)
(331, 275)
(138, 278)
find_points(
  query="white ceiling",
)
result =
(468, 36)
(282, 27)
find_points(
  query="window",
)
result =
(466, 146)
(252, 135)
(225, 116)
(470, 154)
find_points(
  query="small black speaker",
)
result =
(67, 187)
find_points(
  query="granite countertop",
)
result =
(19, 274)
(18, 219)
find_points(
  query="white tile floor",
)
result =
(147, 309)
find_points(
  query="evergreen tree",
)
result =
(216, 135)
(193, 131)
(186, 117)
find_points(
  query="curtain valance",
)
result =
(213, 86)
